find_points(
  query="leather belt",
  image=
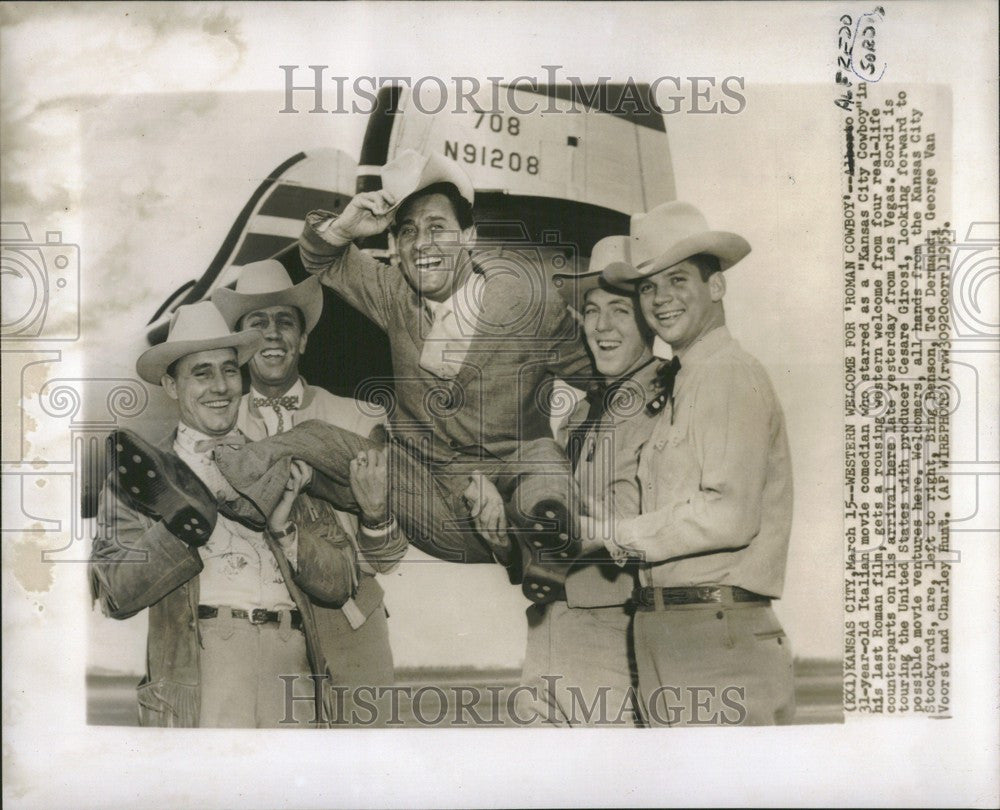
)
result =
(255, 616)
(645, 598)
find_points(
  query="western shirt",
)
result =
(607, 475)
(716, 478)
(240, 569)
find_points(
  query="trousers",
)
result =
(578, 667)
(241, 668)
(425, 496)
(359, 661)
(714, 665)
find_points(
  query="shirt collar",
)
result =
(467, 295)
(297, 390)
(703, 348)
(646, 373)
(188, 437)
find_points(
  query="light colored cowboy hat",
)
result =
(410, 172)
(611, 251)
(196, 328)
(669, 234)
(267, 284)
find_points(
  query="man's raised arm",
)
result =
(327, 250)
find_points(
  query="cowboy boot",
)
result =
(162, 486)
(546, 549)
(259, 470)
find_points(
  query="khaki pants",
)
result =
(577, 668)
(241, 665)
(714, 665)
(359, 661)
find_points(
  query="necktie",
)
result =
(599, 398)
(665, 386)
(232, 439)
(288, 403)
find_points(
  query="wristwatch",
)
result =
(285, 532)
(376, 527)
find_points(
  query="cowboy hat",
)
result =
(609, 252)
(267, 284)
(410, 172)
(196, 328)
(669, 234)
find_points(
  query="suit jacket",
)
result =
(525, 335)
(137, 563)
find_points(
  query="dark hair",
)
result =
(172, 368)
(646, 332)
(461, 206)
(706, 263)
(298, 314)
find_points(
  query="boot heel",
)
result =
(187, 525)
(543, 584)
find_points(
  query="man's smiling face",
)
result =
(275, 368)
(432, 246)
(679, 305)
(207, 386)
(613, 334)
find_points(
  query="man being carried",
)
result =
(473, 349)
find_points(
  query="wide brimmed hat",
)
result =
(196, 328)
(669, 234)
(611, 251)
(410, 172)
(267, 284)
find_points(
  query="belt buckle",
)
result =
(258, 616)
(707, 593)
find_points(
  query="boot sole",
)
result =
(145, 481)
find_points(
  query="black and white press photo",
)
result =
(392, 391)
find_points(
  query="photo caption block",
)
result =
(898, 397)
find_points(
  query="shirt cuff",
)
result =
(322, 229)
(385, 529)
(617, 544)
